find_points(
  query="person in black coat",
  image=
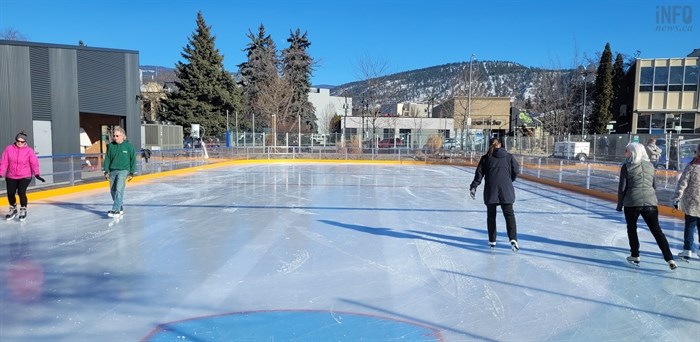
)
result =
(499, 168)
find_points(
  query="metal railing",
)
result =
(69, 170)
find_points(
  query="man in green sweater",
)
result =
(119, 166)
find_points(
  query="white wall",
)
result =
(327, 106)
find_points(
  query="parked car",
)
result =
(450, 144)
(391, 142)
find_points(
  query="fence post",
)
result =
(588, 176)
(72, 171)
(561, 169)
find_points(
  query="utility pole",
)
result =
(469, 100)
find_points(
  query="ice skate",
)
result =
(685, 255)
(633, 260)
(492, 245)
(514, 245)
(12, 213)
(22, 214)
(672, 265)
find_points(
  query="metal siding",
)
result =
(133, 105)
(15, 93)
(64, 101)
(101, 82)
(41, 83)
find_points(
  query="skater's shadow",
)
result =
(76, 206)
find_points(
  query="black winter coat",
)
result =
(499, 170)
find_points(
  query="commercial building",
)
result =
(52, 91)
(663, 97)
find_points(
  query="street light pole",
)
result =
(469, 101)
(345, 118)
(585, 72)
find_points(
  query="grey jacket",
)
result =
(653, 152)
(688, 189)
(637, 185)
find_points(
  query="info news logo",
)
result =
(674, 18)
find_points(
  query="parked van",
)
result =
(579, 150)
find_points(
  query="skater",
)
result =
(687, 199)
(637, 194)
(499, 169)
(119, 166)
(18, 164)
(653, 151)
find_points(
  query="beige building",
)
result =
(484, 114)
(664, 97)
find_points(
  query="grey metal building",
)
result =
(52, 91)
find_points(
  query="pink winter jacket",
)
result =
(19, 162)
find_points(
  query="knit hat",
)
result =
(22, 134)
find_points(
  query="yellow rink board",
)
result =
(44, 194)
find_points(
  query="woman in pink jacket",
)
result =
(18, 164)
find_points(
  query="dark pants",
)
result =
(508, 214)
(17, 186)
(691, 223)
(650, 215)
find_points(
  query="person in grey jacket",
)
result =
(653, 151)
(500, 169)
(687, 199)
(637, 194)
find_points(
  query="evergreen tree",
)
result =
(205, 90)
(601, 115)
(296, 72)
(260, 80)
(618, 88)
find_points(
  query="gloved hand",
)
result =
(106, 175)
(675, 204)
(472, 193)
(40, 178)
(619, 208)
(129, 177)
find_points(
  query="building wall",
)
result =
(50, 85)
(665, 96)
(327, 106)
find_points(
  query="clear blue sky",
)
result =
(405, 35)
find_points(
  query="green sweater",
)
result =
(120, 157)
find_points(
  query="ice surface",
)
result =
(396, 242)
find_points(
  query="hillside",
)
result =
(489, 78)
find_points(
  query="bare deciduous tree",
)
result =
(12, 34)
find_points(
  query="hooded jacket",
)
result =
(688, 189)
(499, 171)
(19, 162)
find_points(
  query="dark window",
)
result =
(676, 75)
(643, 124)
(690, 82)
(661, 75)
(646, 76)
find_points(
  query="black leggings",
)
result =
(650, 214)
(18, 186)
(508, 214)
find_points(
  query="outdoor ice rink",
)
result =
(335, 252)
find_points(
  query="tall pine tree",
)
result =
(205, 90)
(260, 80)
(618, 88)
(296, 72)
(601, 115)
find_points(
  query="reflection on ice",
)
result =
(398, 243)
